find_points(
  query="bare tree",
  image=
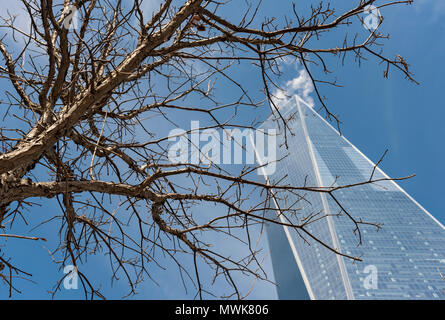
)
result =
(88, 97)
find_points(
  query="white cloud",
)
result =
(300, 86)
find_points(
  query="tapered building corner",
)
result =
(400, 261)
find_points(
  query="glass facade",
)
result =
(402, 260)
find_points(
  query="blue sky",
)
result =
(377, 114)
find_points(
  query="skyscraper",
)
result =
(402, 260)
